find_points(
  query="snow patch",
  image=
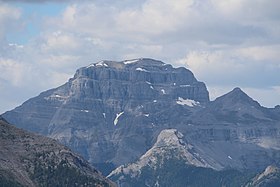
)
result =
(151, 87)
(187, 102)
(154, 101)
(148, 82)
(186, 85)
(104, 115)
(163, 91)
(147, 115)
(117, 118)
(229, 157)
(102, 63)
(85, 111)
(130, 61)
(56, 96)
(141, 69)
(91, 65)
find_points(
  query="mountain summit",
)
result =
(113, 112)
(109, 111)
(235, 97)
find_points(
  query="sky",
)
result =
(225, 43)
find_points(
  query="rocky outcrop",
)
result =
(31, 160)
(173, 162)
(269, 178)
(169, 145)
(110, 111)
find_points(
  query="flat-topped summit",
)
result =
(112, 113)
(128, 63)
(111, 102)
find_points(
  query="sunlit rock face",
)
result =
(112, 113)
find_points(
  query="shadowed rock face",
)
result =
(270, 177)
(32, 160)
(112, 112)
(83, 112)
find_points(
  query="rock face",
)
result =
(32, 160)
(112, 113)
(269, 178)
(169, 145)
(173, 162)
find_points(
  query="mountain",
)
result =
(112, 113)
(269, 178)
(169, 145)
(236, 106)
(32, 160)
(173, 162)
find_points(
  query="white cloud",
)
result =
(8, 19)
(225, 43)
(257, 66)
(12, 71)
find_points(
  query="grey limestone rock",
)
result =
(112, 113)
(32, 160)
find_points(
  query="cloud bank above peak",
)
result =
(225, 43)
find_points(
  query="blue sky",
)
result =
(33, 14)
(225, 43)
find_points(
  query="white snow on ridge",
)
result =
(102, 63)
(141, 69)
(185, 85)
(117, 118)
(56, 96)
(131, 61)
(187, 102)
(91, 65)
(59, 96)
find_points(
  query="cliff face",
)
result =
(270, 177)
(107, 111)
(113, 112)
(31, 160)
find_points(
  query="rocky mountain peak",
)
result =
(169, 145)
(270, 170)
(169, 137)
(236, 97)
(269, 177)
(129, 79)
(108, 103)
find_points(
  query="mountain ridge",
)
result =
(32, 160)
(112, 113)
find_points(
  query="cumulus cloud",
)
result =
(9, 17)
(225, 43)
(257, 67)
